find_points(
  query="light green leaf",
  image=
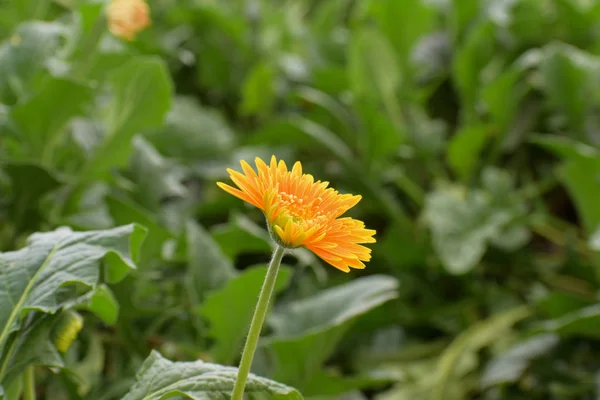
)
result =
(581, 177)
(463, 222)
(465, 147)
(142, 91)
(159, 378)
(155, 177)
(41, 120)
(124, 211)
(258, 90)
(571, 81)
(509, 366)
(103, 303)
(373, 66)
(584, 322)
(23, 57)
(470, 341)
(36, 275)
(32, 346)
(192, 132)
(469, 61)
(306, 331)
(229, 329)
(241, 235)
(209, 268)
(403, 28)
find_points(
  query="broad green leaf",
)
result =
(237, 296)
(23, 57)
(565, 147)
(33, 345)
(373, 66)
(125, 211)
(103, 303)
(581, 177)
(463, 222)
(469, 61)
(241, 235)
(192, 132)
(24, 208)
(208, 267)
(41, 120)
(36, 275)
(307, 331)
(155, 176)
(159, 378)
(472, 340)
(141, 92)
(403, 28)
(509, 366)
(571, 81)
(584, 322)
(258, 90)
(465, 148)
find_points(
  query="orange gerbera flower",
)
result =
(303, 213)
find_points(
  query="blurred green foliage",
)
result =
(471, 129)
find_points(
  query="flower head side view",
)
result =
(302, 212)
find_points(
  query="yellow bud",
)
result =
(127, 18)
(66, 329)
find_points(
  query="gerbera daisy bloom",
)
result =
(303, 213)
(127, 18)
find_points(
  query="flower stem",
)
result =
(29, 383)
(256, 325)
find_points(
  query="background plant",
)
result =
(469, 127)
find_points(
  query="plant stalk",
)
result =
(257, 322)
(29, 383)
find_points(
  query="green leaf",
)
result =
(403, 28)
(23, 57)
(208, 267)
(24, 208)
(570, 81)
(373, 67)
(258, 90)
(463, 222)
(192, 132)
(581, 177)
(159, 378)
(470, 60)
(510, 365)
(32, 346)
(470, 341)
(36, 275)
(142, 92)
(465, 147)
(241, 235)
(124, 211)
(155, 178)
(103, 303)
(584, 322)
(229, 329)
(41, 120)
(306, 331)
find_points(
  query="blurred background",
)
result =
(470, 127)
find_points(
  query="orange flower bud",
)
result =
(127, 18)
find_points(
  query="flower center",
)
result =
(304, 215)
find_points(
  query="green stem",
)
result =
(29, 383)
(256, 325)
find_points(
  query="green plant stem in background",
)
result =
(29, 383)
(257, 322)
